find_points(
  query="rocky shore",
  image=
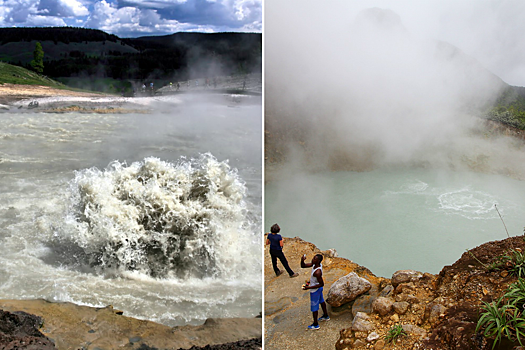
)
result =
(435, 311)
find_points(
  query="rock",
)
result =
(394, 318)
(433, 312)
(19, 330)
(382, 305)
(372, 336)
(359, 343)
(361, 323)
(347, 289)
(380, 344)
(343, 309)
(387, 291)
(4, 107)
(363, 303)
(329, 253)
(412, 329)
(400, 307)
(404, 276)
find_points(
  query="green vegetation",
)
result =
(509, 108)
(504, 317)
(17, 75)
(38, 59)
(394, 333)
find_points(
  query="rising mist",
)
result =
(361, 92)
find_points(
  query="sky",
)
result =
(134, 18)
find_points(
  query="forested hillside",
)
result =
(83, 56)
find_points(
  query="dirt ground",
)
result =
(444, 308)
(10, 93)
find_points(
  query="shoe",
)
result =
(324, 318)
(313, 326)
(294, 275)
(279, 273)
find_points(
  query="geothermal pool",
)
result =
(156, 214)
(389, 220)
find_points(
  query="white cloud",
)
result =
(47, 21)
(77, 8)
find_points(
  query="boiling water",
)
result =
(156, 214)
(389, 220)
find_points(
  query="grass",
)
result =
(504, 318)
(17, 75)
(394, 333)
(10, 74)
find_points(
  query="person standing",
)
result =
(275, 241)
(315, 285)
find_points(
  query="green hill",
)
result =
(11, 74)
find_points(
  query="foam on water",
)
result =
(183, 220)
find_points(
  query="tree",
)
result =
(38, 59)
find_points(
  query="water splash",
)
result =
(183, 220)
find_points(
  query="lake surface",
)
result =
(156, 214)
(389, 220)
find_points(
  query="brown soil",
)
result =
(10, 93)
(445, 306)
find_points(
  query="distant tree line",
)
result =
(180, 56)
(196, 55)
(56, 34)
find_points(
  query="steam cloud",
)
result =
(358, 93)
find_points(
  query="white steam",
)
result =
(363, 91)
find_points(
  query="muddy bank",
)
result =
(437, 311)
(71, 326)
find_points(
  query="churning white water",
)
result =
(389, 220)
(156, 214)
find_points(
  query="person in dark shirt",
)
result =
(275, 241)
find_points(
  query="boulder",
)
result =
(405, 276)
(347, 289)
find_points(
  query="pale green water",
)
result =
(397, 219)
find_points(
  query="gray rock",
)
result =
(434, 311)
(329, 253)
(361, 323)
(412, 329)
(404, 276)
(387, 291)
(372, 337)
(347, 289)
(382, 305)
(363, 303)
(400, 307)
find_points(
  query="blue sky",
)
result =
(132, 18)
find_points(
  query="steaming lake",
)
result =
(156, 214)
(389, 220)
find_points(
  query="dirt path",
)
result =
(287, 306)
